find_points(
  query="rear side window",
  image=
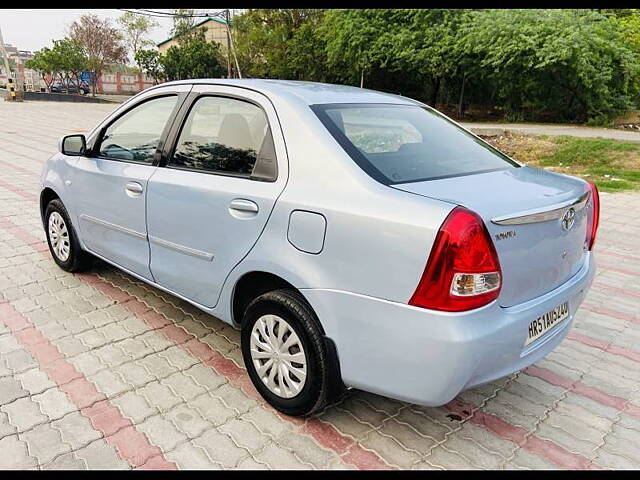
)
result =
(223, 135)
(406, 143)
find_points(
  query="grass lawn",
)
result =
(613, 165)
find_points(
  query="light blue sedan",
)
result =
(358, 239)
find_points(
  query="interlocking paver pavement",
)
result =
(100, 370)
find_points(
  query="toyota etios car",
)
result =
(356, 238)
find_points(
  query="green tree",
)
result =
(149, 62)
(136, 29)
(43, 62)
(280, 43)
(183, 21)
(65, 60)
(194, 57)
(574, 63)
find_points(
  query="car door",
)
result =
(206, 208)
(109, 183)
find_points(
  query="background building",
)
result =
(215, 30)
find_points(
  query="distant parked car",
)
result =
(70, 87)
(356, 238)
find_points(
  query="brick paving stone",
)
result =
(14, 454)
(67, 461)
(391, 448)
(135, 406)
(24, 414)
(280, 458)
(444, 458)
(99, 455)
(45, 442)
(408, 437)
(473, 452)
(569, 441)
(162, 431)
(606, 459)
(160, 395)
(212, 409)
(525, 460)
(183, 386)
(306, 449)
(244, 434)
(18, 361)
(346, 423)
(267, 422)
(5, 427)
(423, 424)
(188, 456)
(54, 403)
(10, 390)
(220, 448)
(76, 430)
(249, 463)
(188, 421)
(234, 398)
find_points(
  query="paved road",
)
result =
(549, 129)
(102, 371)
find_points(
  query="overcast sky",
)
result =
(32, 29)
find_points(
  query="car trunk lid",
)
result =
(523, 210)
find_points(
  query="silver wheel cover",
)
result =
(59, 237)
(278, 356)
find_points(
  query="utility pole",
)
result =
(228, 19)
(5, 57)
(233, 48)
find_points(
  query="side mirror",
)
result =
(73, 145)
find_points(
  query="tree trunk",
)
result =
(362, 79)
(434, 93)
(461, 102)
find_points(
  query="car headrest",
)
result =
(234, 132)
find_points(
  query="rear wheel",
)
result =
(62, 240)
(284, 352)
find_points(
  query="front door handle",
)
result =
(243, 208)
(133, 189)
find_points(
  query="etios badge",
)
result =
(568, 219)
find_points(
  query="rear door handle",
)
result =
(133, 188)
(241, 207)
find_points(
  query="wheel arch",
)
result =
(254, 283)
(251, 285)
(46, 195)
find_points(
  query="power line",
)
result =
(155, 13)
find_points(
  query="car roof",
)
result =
(310, 93)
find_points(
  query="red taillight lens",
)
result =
(593, 216)
(463, 271)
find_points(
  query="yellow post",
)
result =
(12, 88)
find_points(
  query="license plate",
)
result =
(546, 322)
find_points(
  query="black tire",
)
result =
(78, 260)
(291, 306)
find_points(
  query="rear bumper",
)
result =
(428, 357)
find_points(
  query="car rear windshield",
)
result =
(406, 143)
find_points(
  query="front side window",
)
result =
(406, 143)
(136, 134)
(223, 135)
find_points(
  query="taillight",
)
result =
(593, 216)
(463, 271)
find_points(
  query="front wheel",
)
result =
(284, 352)
(62, 240)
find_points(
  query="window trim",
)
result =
(367, 166)
(181, 120)
(95, 149)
